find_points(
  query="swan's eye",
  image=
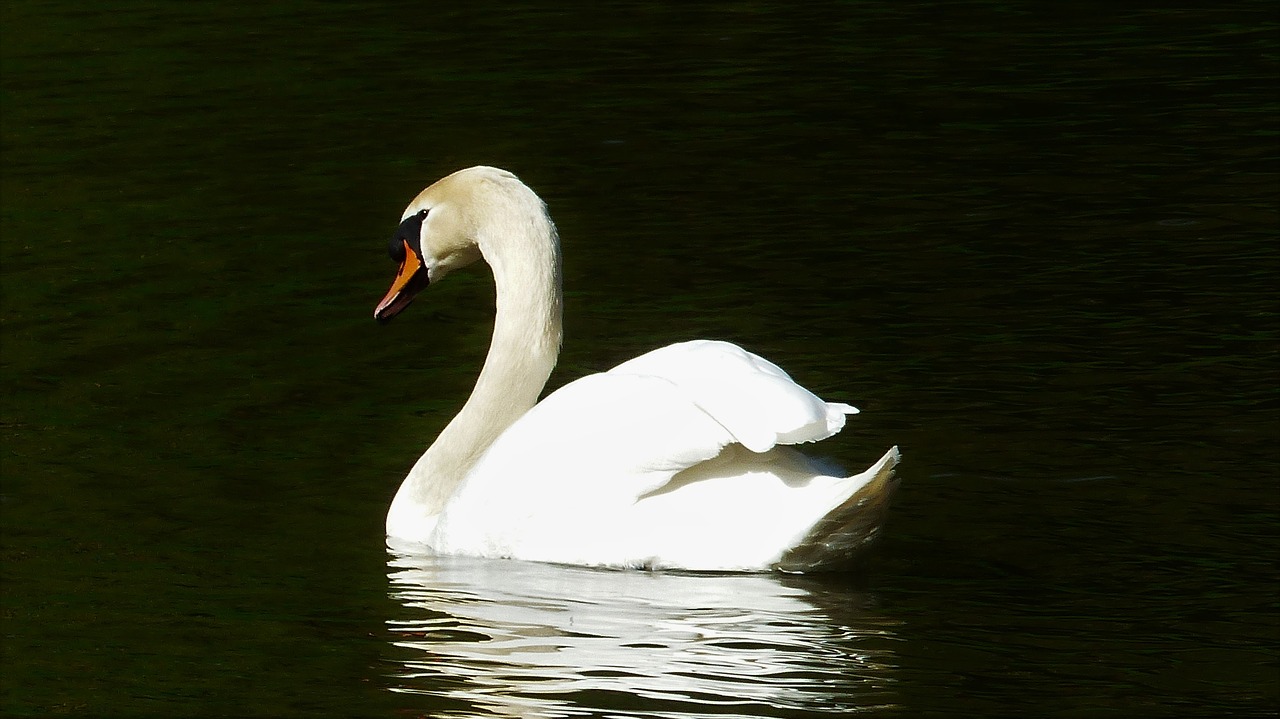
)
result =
(409, 231)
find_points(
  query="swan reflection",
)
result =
(508, 638)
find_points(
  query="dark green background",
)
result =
(1036, 244)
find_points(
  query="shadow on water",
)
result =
(523, 639)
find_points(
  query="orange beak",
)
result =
(410, 279)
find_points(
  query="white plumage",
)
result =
(674, 459)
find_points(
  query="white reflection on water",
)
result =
(507, 638)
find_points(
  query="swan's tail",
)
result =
(841, 535)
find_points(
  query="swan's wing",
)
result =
(622, 434)
(602, 437)
(595, 448)
(752, 398)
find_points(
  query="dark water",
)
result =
(1037, 246)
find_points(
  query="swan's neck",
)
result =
(521, 247)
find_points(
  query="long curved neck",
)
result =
(521, 247)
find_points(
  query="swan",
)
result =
(677, 459)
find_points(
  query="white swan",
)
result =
(674, 459)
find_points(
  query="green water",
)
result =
(1038, 247)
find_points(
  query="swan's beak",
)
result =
(410, 279)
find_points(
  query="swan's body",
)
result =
(674, 459)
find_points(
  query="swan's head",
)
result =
(442, 230)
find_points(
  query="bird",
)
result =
(682, 458)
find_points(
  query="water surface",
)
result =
(1036, 246)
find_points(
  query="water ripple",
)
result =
(519, 639)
